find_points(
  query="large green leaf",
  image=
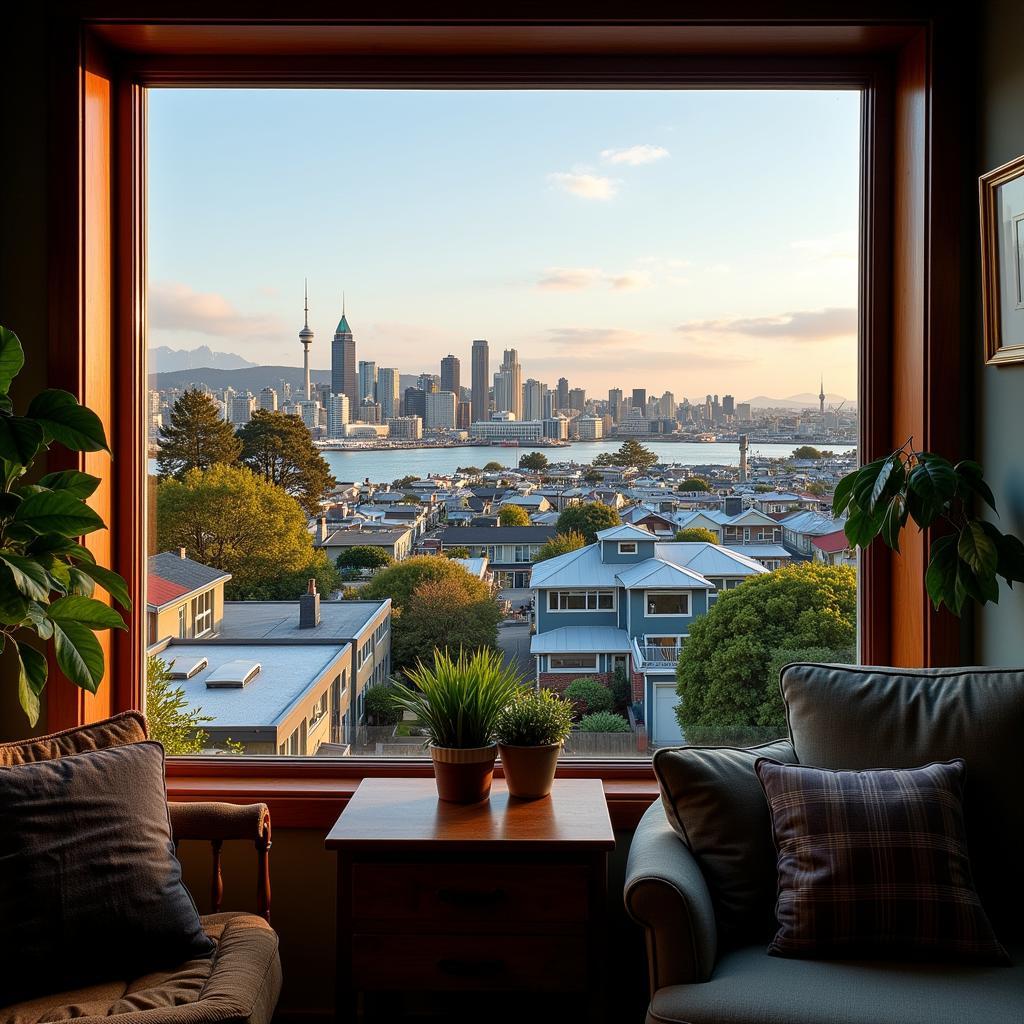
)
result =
(64, 420)
(970, 482)
(13, 604)
(934, 483)
(12, 358)
(20, 439)
(36, 615)
(86, 610)
(1011, 553)
(940, 578)
(32, 671)
(865, 482)
(889, 480)
(79, 583)
(111, 582)
(843, 494)
(976, 548)
(79, 654)
(79, 485)
(893, 518)
(57, 512)
(29, 576)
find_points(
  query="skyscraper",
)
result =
(429, 383)
(578, 399)
(510, 365)
(503, 399)
(534, 392)
(450, 375)
(481, 380)
(337, 415)
(640, 400)
(343, 362)
(387, 392)
(268, 400)
(728, 405)
(367, 380)
(306, 339)
(439, 411)
(615, 403)
(563, 393)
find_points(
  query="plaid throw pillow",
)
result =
(872, 862)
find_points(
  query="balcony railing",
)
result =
(656, 654)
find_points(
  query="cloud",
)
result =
(630, 282)
(634, 156)
(840, 246)
(568, 279)
(593, 337)
(803, 325)
(586, 186)
(177, 307)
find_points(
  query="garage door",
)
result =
(665, 726)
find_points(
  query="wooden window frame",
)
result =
(901, 55)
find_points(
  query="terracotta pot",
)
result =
(529, 771)
(463, 774)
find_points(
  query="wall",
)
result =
(999, 392)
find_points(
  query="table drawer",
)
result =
(444, 963)
(455, 894)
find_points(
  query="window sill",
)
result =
(311, 793)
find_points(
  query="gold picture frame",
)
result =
(1001, 194)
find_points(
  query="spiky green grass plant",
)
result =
(535, 718)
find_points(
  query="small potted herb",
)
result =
(458, 700)
(531, 730)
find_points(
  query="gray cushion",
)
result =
(715, 803)
(90, 888)
(750, 987)
(899, 718)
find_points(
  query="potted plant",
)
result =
(531, 730)
(458, 700)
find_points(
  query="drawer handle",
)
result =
(471, 968)
(471, 897)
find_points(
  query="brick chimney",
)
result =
(309, 607)
(321, 529)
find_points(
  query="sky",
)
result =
(692, 241)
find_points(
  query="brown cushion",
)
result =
(713, 800)
(875, 862)
(239, 983)
(127, 727)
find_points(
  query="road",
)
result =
(514, 641)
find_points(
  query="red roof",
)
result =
(831, 543)
(161, 591)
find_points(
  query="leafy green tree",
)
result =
(724, 675)
(493, 467)
(405, 481)
(588, 695)
(172, 721)
(694, 483)
(380, 705)
(631, 453)
(363, 556)
(448, 615)
(456, 552)
(400, 580)
(560, 544)
(513, 515)
(196, 438)
(410, 499)
(278, 447)
(587, 519)
(806, 451)
(232, 519)
(762, 489)
(534, 460)
(696, 533)
(469, 470)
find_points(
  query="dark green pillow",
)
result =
(90, 888)
(715, 802)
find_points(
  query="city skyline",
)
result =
(644, 264)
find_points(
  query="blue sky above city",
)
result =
(700, 242)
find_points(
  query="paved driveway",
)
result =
(514, 641)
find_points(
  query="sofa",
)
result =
(239, 983)
(846, 717)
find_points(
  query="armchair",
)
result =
(853, 718)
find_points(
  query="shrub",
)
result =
(622, 691)
(696, 533)
(535, 718)
(603, 721)
(589, 695)
(380, 705)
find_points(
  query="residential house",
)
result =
(661, 524)
(510, 550)
(397, 541)
(751, 526)
(833, 549)
(184, 598)
(800, 529)
(784, 502)
(627, 602)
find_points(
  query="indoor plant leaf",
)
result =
(79, 485)
(13, 605)
(976, 548)
(20, 439)
(79, 583)
(64, 420)
(971, 480)
(79, 654)
(33, 667)
(57, 512)
(35, 615)
(86, 610)
(29, 576)
(111, 582)
(934, 482)
(843, 494)
(12, 358)
(940, 577)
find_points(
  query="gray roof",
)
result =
(185, 572)
(279, 620)
(812, 524)
(626, 532)
(369, 538)
(287, 672)
(761, 550)
(582, 640)
(708, 559)
(459, 535)
(656, 572)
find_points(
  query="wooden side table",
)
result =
(502, 896)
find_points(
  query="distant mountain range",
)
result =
(797, 402)
(164, 359)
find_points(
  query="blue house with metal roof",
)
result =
(628, 601)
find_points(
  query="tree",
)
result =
(806, 451)
(534, 460)
(560, 544)
(493, 467)
(232, 519)
(363, 556)
(406, 481)
(696, 533)
(631, 453)
(171, 720)
(694, 483)
(453, 614)
(513, 515)
(380, 706)
(587, 519)
(399, 581)
(279, 448)
(469, 470)
(456, 552)
(410, 499)
(724, 676)
(196, 438)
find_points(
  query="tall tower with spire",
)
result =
(306, 338)
(343, 361)
(821, 396)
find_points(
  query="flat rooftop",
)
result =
(279, 620)
(287, 672)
